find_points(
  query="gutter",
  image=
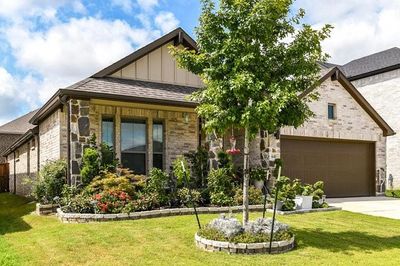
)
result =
(22, 140)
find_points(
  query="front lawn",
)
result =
(331, 238)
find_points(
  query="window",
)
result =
(107, 131)
(133, 145)
(331, 111)
(158, 145)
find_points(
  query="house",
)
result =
(139, 105)
(377, 78)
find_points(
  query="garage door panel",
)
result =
(345, 167)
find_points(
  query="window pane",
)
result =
(158, 161)
(107, 132)
(135, 162)
(331, 111)
(158, 137)
(133, 136)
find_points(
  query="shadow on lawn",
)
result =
(12, 209)
(345, 242)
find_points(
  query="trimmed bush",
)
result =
(49, 186)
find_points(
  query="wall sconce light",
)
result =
(185, 117)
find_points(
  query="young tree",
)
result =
(254, 58)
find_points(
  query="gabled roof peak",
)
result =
(179, 36)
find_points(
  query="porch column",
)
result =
(118, 133)
(149, 161)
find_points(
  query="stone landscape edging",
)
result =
(90, 217)
(46, 209)
(330, 208)
(277, 247)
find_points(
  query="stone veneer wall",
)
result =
(180, 129)
(382, 91)
(79, 134)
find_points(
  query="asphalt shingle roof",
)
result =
(135, 88)
(373, 62)
(18, 126)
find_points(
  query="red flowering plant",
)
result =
(233, 150)
(111, 201)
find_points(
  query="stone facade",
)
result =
(383, 92)
(25, 168)
(181, 131)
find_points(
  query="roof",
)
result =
(335, 73)
(373, 64)
(18, 126)
(141, 91)
(23, 139)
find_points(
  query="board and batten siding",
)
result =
(159, 66)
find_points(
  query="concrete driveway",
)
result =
(376, 206)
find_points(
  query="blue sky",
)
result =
(50, 44)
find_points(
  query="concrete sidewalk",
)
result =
(376, 206)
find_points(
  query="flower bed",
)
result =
(244, 248)
(229, 235)
(88, 217)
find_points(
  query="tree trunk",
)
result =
(246, 177)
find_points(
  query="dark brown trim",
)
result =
(336, 74)
(47, 108)
(178, 35)
(296, 137)
(38, 152)
(375, 72)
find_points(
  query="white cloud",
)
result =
(68, 52)
(20, 9)
(362, 27)
(147, 4)
(166, 21)
(125, 5)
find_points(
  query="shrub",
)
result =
(392, 193)
(286, 193)
(186, 199)
(198, 161)
(145, 201)
(258, 174)
(221, 187)
(229, 227)
(255, 196)
(96, 159)
(158, 183)
(81, 203)
(225, 161)
(111, 201)
(52, 178)
(122, 180)
(90, 165)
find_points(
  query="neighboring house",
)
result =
(139, 106)
(12, 131)
(377, 77)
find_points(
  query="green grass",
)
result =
(331, 238)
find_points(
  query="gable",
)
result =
(158, 66)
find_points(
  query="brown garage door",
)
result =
(347, 168)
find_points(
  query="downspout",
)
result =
(38, 152)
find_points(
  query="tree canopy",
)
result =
(254, 58)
